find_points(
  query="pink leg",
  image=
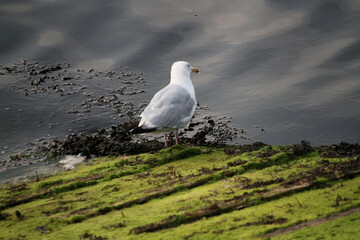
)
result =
(165, 139)
(176, 137)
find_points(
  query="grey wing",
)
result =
(171, 107)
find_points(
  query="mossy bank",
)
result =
(244, 192)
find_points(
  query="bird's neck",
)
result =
(180, 79)
(183, 81)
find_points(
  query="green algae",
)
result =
(170, 192)
(342, 228)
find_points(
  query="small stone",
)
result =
(67, 78)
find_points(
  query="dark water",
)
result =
(291, 68)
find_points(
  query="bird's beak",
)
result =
(195, 70)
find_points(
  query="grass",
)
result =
(342, 228)
(189, 193)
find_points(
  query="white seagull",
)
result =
(173, 106)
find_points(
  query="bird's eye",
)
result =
(188, 65)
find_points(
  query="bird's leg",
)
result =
(176, 137)
(165, 139)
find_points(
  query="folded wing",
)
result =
(172, 107)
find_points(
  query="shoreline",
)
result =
(47, 166)
(228, 191)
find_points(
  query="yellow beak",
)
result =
(195, 70)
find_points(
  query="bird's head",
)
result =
(182, 68)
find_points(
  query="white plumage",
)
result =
(172, 107)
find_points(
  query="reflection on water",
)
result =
(50, 38)
(98, 64)
(15, 8)
(290, 67)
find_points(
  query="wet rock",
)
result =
(302, 148)
(50, 69)
(116, 141)
(343, 149)
(214, 133)
(67, 78)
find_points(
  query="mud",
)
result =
(66, 100)
(268, 219)
(119, 141)
(92, 96)
(247, 185)
(17, 187)
(54, 78)
(56, 210)
(80, 211)
(20, 200)
(117, 225)
(236, 162)
(328, 170)
(194, 234)
(115, 141)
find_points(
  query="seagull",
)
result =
(173, 106)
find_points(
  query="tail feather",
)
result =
(141, 130)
